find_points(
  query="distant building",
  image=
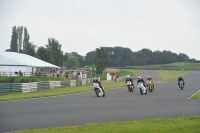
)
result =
(11, 62)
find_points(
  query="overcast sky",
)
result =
(83, 25)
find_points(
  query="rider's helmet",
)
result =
(148, 77)
(95, 80)
(128, 77)
(139, 78)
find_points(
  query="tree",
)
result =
(29, 49)
(44, 54)
(90, 58)
(13, 45)
(72, 62)
(65, 58)
(101, 60)
(7, 50)
(81, 61)
(54, 48)
(183, 57)
(127, 57)
(26, 37)
(19, 40)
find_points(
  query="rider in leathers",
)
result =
(150, 79)
(95, 80)
(129, 79)
(141, 80)
(181, 79)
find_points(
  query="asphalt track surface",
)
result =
(166, 101)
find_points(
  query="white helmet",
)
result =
(148, 76)
(128, 76)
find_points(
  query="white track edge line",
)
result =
(193, 94)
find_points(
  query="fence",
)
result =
(40, 74)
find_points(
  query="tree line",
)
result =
(121, 57)
(100, 58)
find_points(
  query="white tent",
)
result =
(13, 62)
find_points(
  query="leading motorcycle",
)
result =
(98, 90)
(142, 89)
(181, 85)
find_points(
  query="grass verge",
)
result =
(170, 75)
(171, 66)
(155, 125)
(196, 96)
(62, 91)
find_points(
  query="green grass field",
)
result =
(156, 125)
(196, 96)
(170, 75)
(172, 66)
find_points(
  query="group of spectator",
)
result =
(79, 74)
(56, 73)
(19, 73)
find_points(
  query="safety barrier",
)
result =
(34, 86)
(121, 78)
(9, 88)
(86, 81)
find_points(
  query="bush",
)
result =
(34, 80)
(79, 81)
(11, 80)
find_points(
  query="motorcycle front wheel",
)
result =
(100, 92)
(181, 86)
(129, 88)
(141, 91)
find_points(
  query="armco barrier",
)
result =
(29, 87)
(121, 78)
(86, 81)
(9, 88)
(36, 86)
(43, 85)
(72, 82)
(33, 86)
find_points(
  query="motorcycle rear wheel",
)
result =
(141, 91)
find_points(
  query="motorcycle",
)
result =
(142, 89)
(149, 84)
(181, 85)
(98, 90)
(130, 87)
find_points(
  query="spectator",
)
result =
(74, 74)
(66, 75)
(58, 73)
(20, 73)
(78, 75)
(83, 74)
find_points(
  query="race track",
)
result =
(167, 100)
